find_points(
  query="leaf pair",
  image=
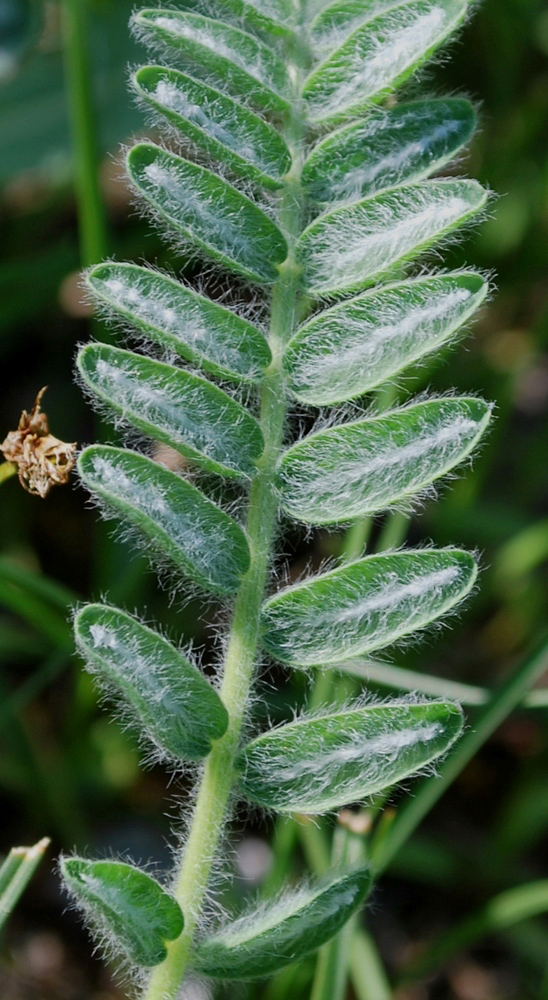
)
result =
(341, 251)
(140, 918)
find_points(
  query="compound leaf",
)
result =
(362, 467)
(351, 246)
(379, 55)
(210, 214)
(171, 405)
(349, 349)
(193, 533)
(216, 124)
(167, 313)
(174, 703)
(364, 606)
(240, 63)
(265, 940)
(126, 904)
(314, 765)
(387, 148)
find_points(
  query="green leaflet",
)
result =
(167, 313)
(242, 64)
(364, 466)
(265, 940)
(340, 19)
(318, 764)
(369, 604)
(353, 347)
(349, 247)
(216, 124)
(212, 215)
(272, 17)
(126, 904)
(172, 405)
(379, 55)
(195, 535)
(392, 147)
(174, 703)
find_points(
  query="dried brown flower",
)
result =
(42, 460)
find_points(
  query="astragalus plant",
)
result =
(305, 181)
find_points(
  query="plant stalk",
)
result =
(91, 213)
(218, 775)
(15, 874)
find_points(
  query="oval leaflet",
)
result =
(261, 942)
(366, 605)
(318, 764)
(176, 706)
(194, 534)
(173, 316)
(126, 902)
(172, 405)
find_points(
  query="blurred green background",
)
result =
(66, 769)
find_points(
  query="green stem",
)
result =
(332, 967)
(283, 846)
(403, 679)
(356, 539)
(7, 470)
(218, 777)
(15, 874)
(369, 978)
(394, 531)
(503, 701)
(500, 913)
(91, 215)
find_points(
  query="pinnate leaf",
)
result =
(349, 247)
(265, 940)
(207, 212)
(314, 765)
(364, 606)
(357, 345)
(361, 467)
(171, 405)
(127, 905)
(379, 55)
(195, 535)
(173, 702)
(216, 124)
(241, 64)
(388, 147)
(167, 313)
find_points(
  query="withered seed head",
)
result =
(42, 460)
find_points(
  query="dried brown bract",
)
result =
(42, 460)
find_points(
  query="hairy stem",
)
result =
(217, 780)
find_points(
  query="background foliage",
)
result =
(65, 769)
